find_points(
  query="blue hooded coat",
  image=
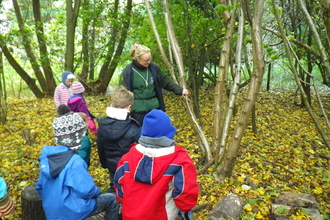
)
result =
(67, 189)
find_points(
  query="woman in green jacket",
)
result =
(146, 80)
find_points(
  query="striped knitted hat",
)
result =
(77, 88)
(7, 205)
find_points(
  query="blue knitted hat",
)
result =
(157, 124)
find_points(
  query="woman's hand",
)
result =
(184, 93)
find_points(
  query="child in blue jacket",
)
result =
(67, 189)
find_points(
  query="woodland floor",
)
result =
(286, 154)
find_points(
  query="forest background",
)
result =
(258, 75)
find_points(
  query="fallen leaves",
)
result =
(287, 153)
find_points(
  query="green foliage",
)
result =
(281, 210)
(221, 8)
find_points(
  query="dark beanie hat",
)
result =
(157, 124)
(62, 109)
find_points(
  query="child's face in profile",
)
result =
(69, 82)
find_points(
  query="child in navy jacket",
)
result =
(117, 131)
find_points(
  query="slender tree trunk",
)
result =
(182, 81)
(289, 52)
(28, 49)
(108, 68)
(72, 12)
(202, 140)
(227, 164)
(325, 10)
(220, 93)
(50, 82)
(91, 47)
(85, 46)
(193, 80)
(317, 39)
(269, 75)
(237, 80)
(23, 74)
(3, 93)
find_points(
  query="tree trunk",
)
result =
(3, 94)
(295, 74)
(234, 90)
(28, 48)
(325, 10)
(31, 204)
(201, 138)
(269, 75)
(227, 164)
(71, 24)
(85, 46)
(50, 82)
(220, 93)
(24, 75)
(109, 67)
(317, 39)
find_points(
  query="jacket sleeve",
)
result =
(119, 178)
(122, 80)
(168, 84)
(137, 133)
(100, 149)
(186, 188)
(81, 181)
(79, 105)
(91, 125)
(57, 96)
(38, 186)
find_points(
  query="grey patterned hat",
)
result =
(69, 130)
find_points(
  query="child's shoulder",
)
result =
(134, 122)
(60, 86)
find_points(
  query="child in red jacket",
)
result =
(156, 178)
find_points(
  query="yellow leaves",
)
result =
(212, 198)
(301, 214)
(311, 151)
(261, 191)
(259, 216)
(318, 190)
(240, 179)
(282, 156)
(23, 183)
(248, 208)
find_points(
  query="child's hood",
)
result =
(152, 164)
(53, 160)
(67, 75)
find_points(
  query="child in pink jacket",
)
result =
(63, 91)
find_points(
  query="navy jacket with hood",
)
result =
(114, 138)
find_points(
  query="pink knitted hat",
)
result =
(77, 88)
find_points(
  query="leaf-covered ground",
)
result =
(287, 153)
